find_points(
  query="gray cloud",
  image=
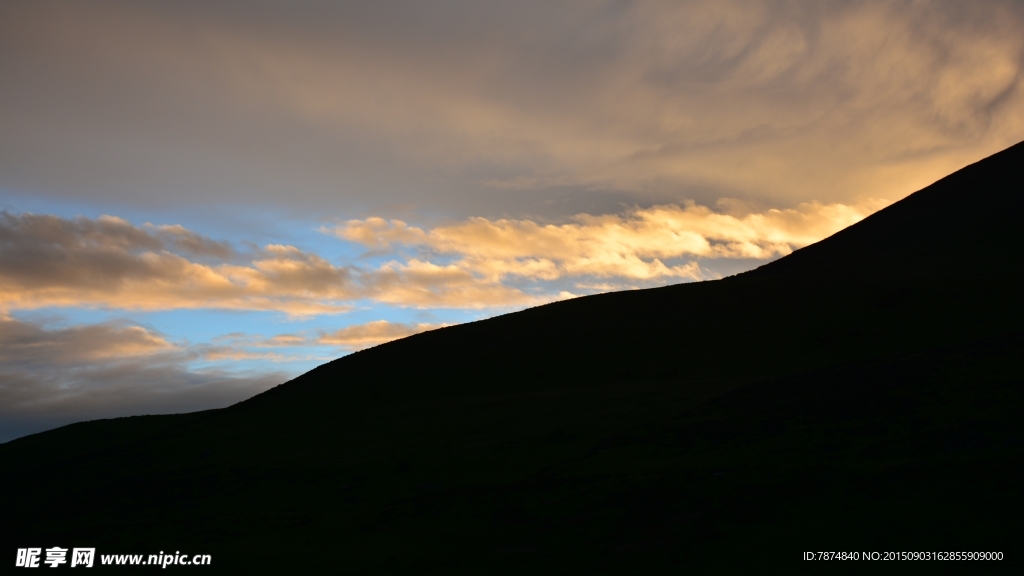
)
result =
(502, 107)
(39, 250)
(52, 377)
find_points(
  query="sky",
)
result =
(202, 200)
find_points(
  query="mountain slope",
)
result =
(829, 399)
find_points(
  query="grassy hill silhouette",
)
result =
(863, 393)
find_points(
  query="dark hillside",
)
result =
(861, 394)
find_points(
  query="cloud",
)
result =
(416, 283)
(28, 345)
(52, 377)
(634, 245)
(215, 353)
(477, 263)
(179, 237)
(373, 333)
(496, 109)
(350, 338)
(51, 261)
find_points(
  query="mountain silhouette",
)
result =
(861, 394)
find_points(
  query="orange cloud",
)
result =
(634, 245)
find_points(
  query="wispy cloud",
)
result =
(328, 103)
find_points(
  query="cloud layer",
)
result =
(51, 377)
(55, 376)
(631, 246)
(548, 108)
(477, 263)
(50, 261)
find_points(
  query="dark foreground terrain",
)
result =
(862, 394)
